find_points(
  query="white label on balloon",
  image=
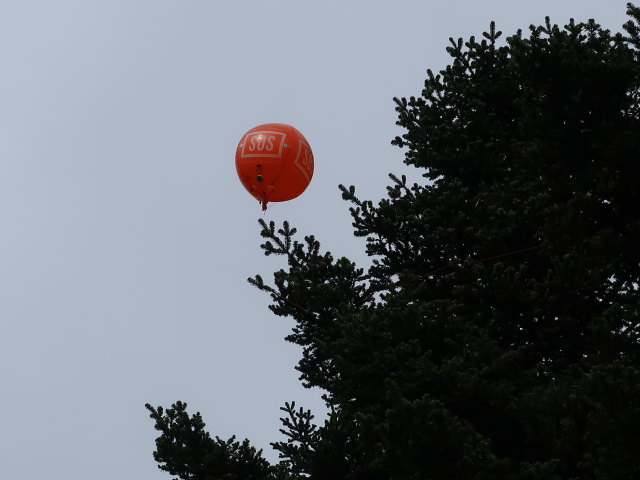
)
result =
(263, 144)
(304, 160)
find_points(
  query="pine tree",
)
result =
(496, 334)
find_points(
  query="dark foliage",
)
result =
(186, 450)
(496, 334)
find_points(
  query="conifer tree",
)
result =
(496, 334)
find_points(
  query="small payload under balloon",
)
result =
(274, 162)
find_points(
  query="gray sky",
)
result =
(126, 237)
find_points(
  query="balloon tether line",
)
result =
(479, 260)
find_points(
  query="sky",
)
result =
(126, 237)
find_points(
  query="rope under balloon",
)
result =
(479, 260)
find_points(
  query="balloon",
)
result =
(274, 162)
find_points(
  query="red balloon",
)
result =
(274, 162)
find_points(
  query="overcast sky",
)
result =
(126, 238)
